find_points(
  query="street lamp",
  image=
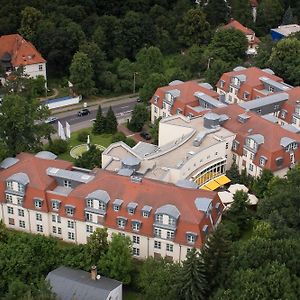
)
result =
(134, 73)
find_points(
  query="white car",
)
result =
(51, 120)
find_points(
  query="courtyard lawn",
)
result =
(102, 139)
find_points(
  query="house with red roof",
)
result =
(186, 98)
(43, 195)
(246, 84)
(15, 51)
(253, 41)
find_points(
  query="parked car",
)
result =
(138, 99)
(83, 112)
(51, 120)
(145, 135)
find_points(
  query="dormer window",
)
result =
(246, 95)
(67, 183)
(222, 83)
(218, 209)
(38, 203)
(121, 221)
(271, 89)
(55, 204)
(146, 211)
(156, 98)
(117, 204)
(102, 206)
(131, 207)
(262, 161)
(9, 198)
(136, 225)
(70, 210)
(283, 114)
(235, 145)
(191, 237)
(20, 188)
(178, 111)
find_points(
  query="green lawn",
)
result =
(102, 139)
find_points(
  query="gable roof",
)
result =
(21, 51)
(238, 26)
(185, 92)
(268, 133)
(70, 284)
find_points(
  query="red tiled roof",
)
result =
(237, 25)
(148, 192)
(186, 98)
(291, 103)
(252, 83)
(21, 51)
(271, 132)
(253, 3)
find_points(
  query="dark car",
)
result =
(145, 135)
(83, 112)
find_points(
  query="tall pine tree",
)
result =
(99, 125)
(191, 281)
(111, 121)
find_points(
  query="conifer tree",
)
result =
(217, 12)
(99, 125)
(111, 121)
(191, 281)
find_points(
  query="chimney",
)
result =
(94, 273)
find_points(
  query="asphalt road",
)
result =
(121, 110)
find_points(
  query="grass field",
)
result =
(102, 139)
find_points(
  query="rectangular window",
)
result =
(135, 239)
(89, 217)
(131, 211)
(155, 109)
(157, 232)
(251, 167)
(11, 221)
(21, 212)
(20, 200)
(172, 221)
(121, 223)
(71, 236)
(22, 224)
(191, 238)
(89, 228)
(102, 206)
(251, 156)
(226, 146)
(54, 229)
(116, 207)
(20, 188)
(70, 211)
(157, 245)
(135, 251)
(9, 185)
(38, 217)
(159, 218)
(59, 230)
(70, 224)
(90, 203)
(8, 198)
(170, 235)
(136, 226)
(169, 247)
(40, 67)
(53, 218)
(39, 228)
(262, 161)
(55, 205)
(67, 183)
(145, 214)
(38, 203)
(10, 210)
(294, 120)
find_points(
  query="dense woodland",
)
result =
(158, 41)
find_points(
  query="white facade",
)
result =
(35, 70)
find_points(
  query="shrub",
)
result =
(82, 136)
(119, 136)
(130, 142)
(58, 146)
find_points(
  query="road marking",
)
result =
(125, 106)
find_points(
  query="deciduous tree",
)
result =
(90, 159)
(81, 74)
(139, 116)
(97, 244)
